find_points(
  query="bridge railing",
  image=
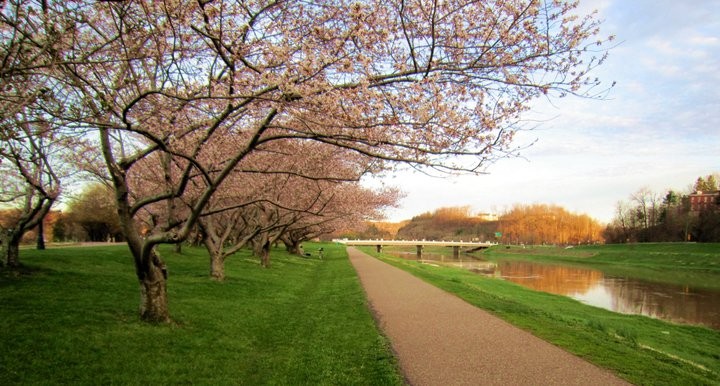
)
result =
(414, 242)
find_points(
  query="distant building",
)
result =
(700, 201)
(487, 216)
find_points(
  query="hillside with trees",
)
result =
(523, 224)
(369, 230)
(548, 224)
(453, 223)
(648, 216)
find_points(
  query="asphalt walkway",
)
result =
(440, 339)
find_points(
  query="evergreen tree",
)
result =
(711, 183)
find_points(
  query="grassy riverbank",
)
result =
(71, 318)
(640, 349)
(671, 263)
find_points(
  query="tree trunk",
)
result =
(261, 248)
(178, 248)
(3, 247)
(265, 254)
(292, 246)
(217, 267)
(13, 255)
(153, 292)
(41, 236)
(11, 248)
(149, 267)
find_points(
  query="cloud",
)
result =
(704, 41)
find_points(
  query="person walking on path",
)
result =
(440, 339)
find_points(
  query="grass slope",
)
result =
(644, 351)
(71, 318)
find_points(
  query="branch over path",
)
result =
(440, 339)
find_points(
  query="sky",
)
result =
(658, 128)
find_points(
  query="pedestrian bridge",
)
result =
(420, 244)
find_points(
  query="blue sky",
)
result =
(659, 127)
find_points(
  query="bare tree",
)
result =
(648, 206)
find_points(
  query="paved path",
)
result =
(440, 339)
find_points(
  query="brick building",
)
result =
(700, 201)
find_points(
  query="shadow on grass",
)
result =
(72, 319)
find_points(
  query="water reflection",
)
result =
(628, 296)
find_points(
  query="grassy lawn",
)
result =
(71, 318)
(671, 263)
(642, 350)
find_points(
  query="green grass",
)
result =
(671, 263)
(71, 318)
(642, 350)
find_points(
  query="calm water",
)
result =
(679, 304)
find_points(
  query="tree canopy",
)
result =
(190, 91)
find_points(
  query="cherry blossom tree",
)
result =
(312, 209)
(29, 145)
(36, 152)
(347, 206)
(226, 233)
(243, 216)
(36, 160)
(30, 184)
(207, 84)
(269, 192)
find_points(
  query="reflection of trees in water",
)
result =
(667, 302)
(553, 279)
(674, 303)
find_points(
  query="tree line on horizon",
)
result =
(646, 217)
(649, 216)
(522, 224)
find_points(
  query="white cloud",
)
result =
(662, 46)
(702, 40)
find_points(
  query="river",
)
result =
(678, 304)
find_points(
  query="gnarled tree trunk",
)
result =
(261, 249)
(265, 255)
(151, 272)
(149, 267)
(13, 254)
(153, 291)
(292, 245)
(34, 212)
(10, 247)
(217, 266)
(214, 246)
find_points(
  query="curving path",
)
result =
(440, 339)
